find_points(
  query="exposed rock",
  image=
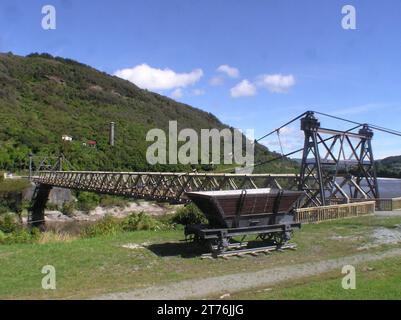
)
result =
(57, 195)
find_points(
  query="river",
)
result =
(389, 188)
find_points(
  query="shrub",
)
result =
(3, 207)
(21, 235)
(113, 201)
(88, 201)
(141, 221)
(189, 214)
(68, 208)
(106, 226)
(9, 223)
(11, 195)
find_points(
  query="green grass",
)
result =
(89, 267)
(375, 280)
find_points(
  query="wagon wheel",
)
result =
(189, 238)
(266, 237)
(219, 245)
(196, 238)
(279, 239)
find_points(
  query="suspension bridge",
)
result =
(337, 166)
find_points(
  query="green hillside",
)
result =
(43, 97)
(389, 167)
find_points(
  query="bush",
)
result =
(11, 195)
(2, 237)
(134, 222)
(68, 208)
(88, 201)
(9, 223)
(21, 235)
(3, 207)
(141, 221)
(113, 201)
(189, 214)
(106, 226)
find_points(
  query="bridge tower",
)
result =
(36, 211)
(336, 165)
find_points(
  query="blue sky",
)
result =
(254, 64)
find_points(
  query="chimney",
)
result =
(111, 134)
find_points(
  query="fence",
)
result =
(339, 211)
(384, 204)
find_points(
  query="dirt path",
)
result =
(396, 213)
(244, 281)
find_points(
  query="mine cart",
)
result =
(265, 213)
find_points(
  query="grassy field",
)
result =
(374, 280)
(90, 267)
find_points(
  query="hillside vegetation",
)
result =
(389, 167)
(43, 97)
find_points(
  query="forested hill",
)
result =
(389, 167)
(44, 97)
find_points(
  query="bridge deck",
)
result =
(160, 186)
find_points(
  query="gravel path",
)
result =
(191, 289)
(396, 213)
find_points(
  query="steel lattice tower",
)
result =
(336, 165)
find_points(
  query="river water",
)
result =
(389, 188)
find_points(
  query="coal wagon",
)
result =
(264, 213)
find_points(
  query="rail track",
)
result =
(250, 251)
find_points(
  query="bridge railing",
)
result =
(333, 212)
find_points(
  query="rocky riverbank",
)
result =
(151, 208)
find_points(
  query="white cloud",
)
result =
(216, 81)
(229, 71)
(177, 93)
(244, 88)
(146, 77)
(276, 83)
(198, 92)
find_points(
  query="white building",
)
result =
(64, 137)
